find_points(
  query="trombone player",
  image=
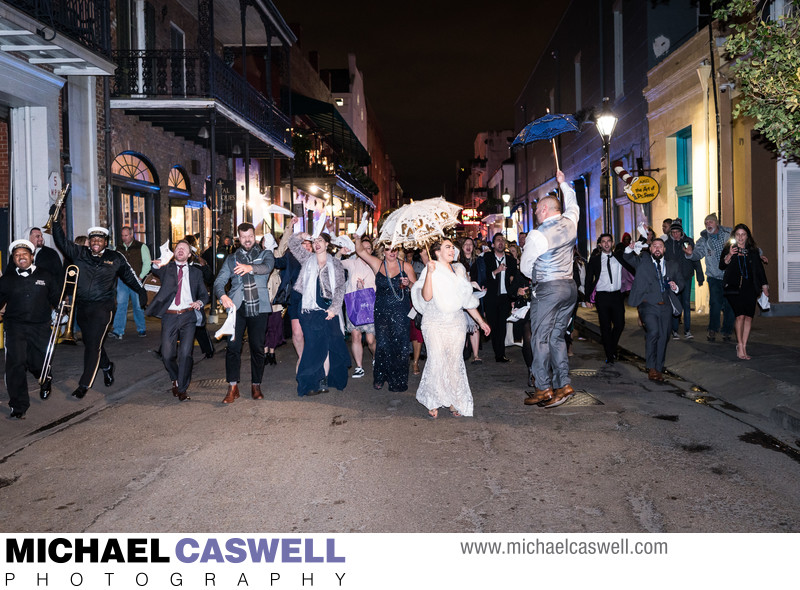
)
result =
(29, 294)
(96, 299)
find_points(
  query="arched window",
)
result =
(185, 214)
(177, 181)
(136, 187)
(134, 166)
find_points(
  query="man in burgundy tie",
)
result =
(179, 303)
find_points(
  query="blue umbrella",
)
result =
(546, 128)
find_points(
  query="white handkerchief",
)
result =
(166, 253)
(229, 327)
(319, 225)
(763, 302)
(362, 228)
(518, 314)
(269, 242)
(344, 242)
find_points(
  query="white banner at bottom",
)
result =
(368, 561)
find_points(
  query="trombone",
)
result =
(65, 306)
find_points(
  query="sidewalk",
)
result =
(767, 387)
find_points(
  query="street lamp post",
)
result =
(606, 120)
(506, 212)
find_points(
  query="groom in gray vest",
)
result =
(547, 260)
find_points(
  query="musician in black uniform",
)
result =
(96, 297)
(29, 294)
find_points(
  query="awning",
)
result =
(517, 206)
(327, 117)
(493, 218)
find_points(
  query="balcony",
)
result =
(175, 89)
(83, 21)
(308, 172)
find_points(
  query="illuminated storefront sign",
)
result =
(470, 217)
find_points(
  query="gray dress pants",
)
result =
(551, 310)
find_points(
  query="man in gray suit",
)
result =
(248, 270)
(654, 292)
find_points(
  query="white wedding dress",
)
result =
(444, 379)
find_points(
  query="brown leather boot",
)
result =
(256, 389)
(539, 396)
(560, 395)
(233, 393)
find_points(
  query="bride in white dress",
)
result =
(440, 294)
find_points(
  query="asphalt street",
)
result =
(626, 454)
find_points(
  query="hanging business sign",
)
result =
(642, 189)
(226, 196)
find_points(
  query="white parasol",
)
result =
(419, 223)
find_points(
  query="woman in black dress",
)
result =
(393, 279)
(743, 282)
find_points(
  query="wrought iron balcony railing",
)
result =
(163, 73)
(84, 21)
(303, 168)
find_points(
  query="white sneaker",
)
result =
(688, 335)
(675, 336)
(358, 373)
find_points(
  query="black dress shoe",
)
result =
(46, 388)
(80, 391)
(108, 375)
(210, 354)
(323, 385)
(503, 360)
(17, 415)
(182, 396)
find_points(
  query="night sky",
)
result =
(436, 73)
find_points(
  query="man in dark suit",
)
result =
(654, 292)
(178, 303)
(501, 268)
(604, 273)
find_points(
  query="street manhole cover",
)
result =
(583, 372)
(582, 398)
(210, 383)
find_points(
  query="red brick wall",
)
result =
(164, 150)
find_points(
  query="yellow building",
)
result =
(706, 162)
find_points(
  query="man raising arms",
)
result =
(547, 260)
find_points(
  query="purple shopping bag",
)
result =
(361, 306)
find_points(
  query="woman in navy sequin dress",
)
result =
(393, 279)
